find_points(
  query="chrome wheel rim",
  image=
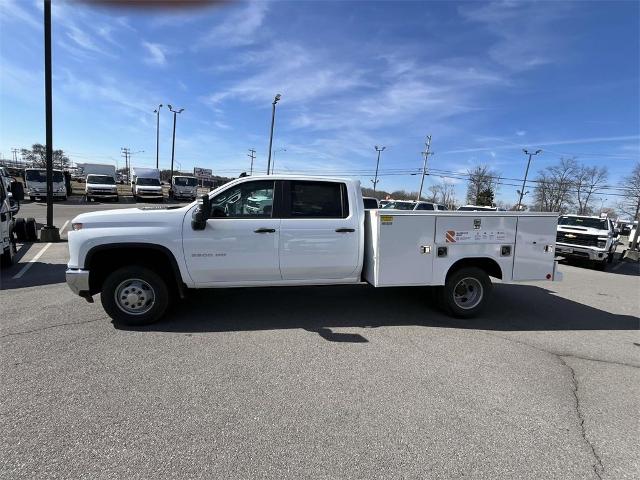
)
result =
(135, 296)
(468, 293)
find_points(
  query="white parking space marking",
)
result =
(31, 262)
(64, 226)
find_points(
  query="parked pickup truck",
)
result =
(306, 231)
(589, 238)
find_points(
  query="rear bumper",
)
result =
(591, 253)
(78, 281)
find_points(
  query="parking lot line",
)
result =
(31, 262)
(64, 226)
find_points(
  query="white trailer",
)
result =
(145, 184)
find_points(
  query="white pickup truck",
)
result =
(312, 231)
(589, 238)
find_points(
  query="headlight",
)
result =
(76, 226)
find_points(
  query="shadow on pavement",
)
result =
(318, 309)
(617, 267)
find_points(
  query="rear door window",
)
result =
(309, 199)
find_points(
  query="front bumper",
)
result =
(591, 253)
(44, 194)
(149, 195)
(78, 281)
(102, 194)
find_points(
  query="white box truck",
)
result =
(184, 187)
(145, 184)
(36, 184)
(100, 181)
(304, 231)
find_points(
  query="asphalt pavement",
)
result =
(319, 382)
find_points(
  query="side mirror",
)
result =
(201, 214)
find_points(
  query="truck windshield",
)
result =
(154, 182)
(399, 206)
(41, 175)
(185, 181)
(103, 179)
(599, 223)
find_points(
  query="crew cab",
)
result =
(589, 238)
(297, 230)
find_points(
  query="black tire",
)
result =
(33, 199)
(20, 229)
(9, 253)
(32, 229)
(478, 287)
(113, 283)
(600, 265)
(610, 257)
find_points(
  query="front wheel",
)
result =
(466, 292)
(134, 296)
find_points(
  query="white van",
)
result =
(35, 180)
(145, 184)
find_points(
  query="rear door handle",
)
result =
(345, 230)
(265, 230)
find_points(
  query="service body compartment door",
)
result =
(534, 250)
(474, 236)
(405, 249)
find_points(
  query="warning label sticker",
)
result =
(386, 219)
(465, 236)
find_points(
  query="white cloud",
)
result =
(238, 28)
(521, 133)
(157, 53)
(10, 10)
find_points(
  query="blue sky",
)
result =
(484, 79)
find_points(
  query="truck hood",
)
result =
(583, 230)
(129, 217)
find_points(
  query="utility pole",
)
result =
(252, 156)
(49, 232)
(173, 146)
(526, 152)
(157, 112)
(375, 179)
(14, 151)
(273, 119)
(426, 154)
(125, 153)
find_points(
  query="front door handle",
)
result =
(265, 230)
(345, 230)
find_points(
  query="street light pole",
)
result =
(426, 154)
(157, 112)
(375, 179)
(273, 118)
(273, 165)
(526, 152)
(49, 233)
(173, 146)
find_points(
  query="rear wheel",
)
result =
(31, 229)
(20, 229)
(134, 296)
(466, 292)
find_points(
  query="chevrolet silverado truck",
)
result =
(588, 238)
(304, 231)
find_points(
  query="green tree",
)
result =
(485, 197)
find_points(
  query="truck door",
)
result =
(241, 240)
(319, 233)
(534, 254)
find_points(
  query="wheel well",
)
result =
(489, 265)
(101, 261)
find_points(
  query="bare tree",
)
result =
(587, 181)
(37, 156)
(554, 186)
(481, 180)
(631, 204)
